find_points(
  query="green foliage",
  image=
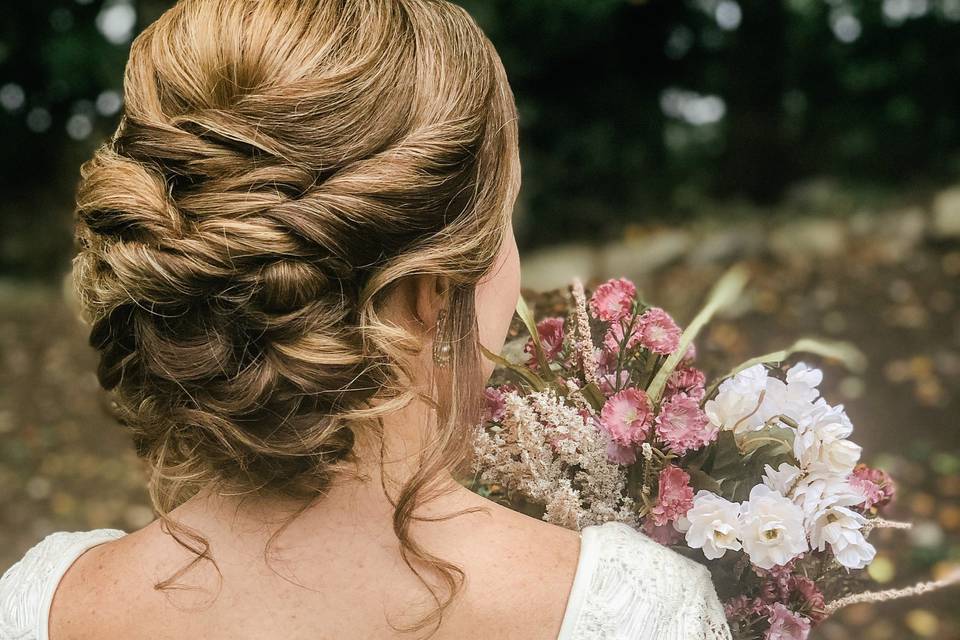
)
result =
(723, 294)
(526, 315)
(736, 464)
(844, 352)
(536, 382)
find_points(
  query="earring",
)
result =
(441, 348)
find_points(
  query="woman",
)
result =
(289, 254)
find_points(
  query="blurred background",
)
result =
(816, 140)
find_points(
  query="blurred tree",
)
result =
(59, 92)
(629, 109)
(756, 161)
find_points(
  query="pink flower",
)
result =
(875, 484)
(613, 300)
(619, 454)
(613, 339)
(810, 597)
(495, 407)
(606, 360)
(781, 583)
(688, 380)
(658, 332)
(741, 607)
(689, 356)
(776, 581)
(683, 425)
(675, 495)
(627, 417)
(551, 337)
(780, 574)
(665, 534)
(786, 625)
(608, 382)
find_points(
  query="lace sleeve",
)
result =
(27, 587)
(702, 616)
(633, 588)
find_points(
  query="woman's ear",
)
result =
(429, 295)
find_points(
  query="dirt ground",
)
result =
(65, 466)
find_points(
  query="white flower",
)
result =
(822, 438)
(824, 496)
(794, 398)
(771, 528)
(804, 380)
(783, 479)
(821, 411)
(736, 403)
(841, 529)
(820, 488)
(813, 490)
(713, 524)
(751, 398)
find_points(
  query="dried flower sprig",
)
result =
(893, 594)
(583, 343)
(553, 455)
(883, 523)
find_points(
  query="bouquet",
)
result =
(606, 417)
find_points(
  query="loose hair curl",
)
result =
(279, 169)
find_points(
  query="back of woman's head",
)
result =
(279, 169)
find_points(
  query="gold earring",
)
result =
(441, 348)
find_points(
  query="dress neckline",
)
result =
(583, 574)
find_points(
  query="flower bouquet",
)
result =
(605, 416)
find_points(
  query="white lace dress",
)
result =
(626, 587)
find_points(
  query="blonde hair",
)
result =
(279, 169)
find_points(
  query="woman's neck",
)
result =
(353, 499)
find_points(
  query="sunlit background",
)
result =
(819, 141)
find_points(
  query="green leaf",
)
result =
(845, 352)
(777, 440)
(727, 458)
(594, 396)
(701, 480)
(738, 471)
(736, 489)
(724, 292)
(530, 322)
(768, 453)
(532, 378)
(698, 459)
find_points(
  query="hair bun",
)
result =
(279, 169)
(287, 285)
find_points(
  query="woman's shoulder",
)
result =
(510, 557)
(630, 586)
(27, 587)
(618, 545)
